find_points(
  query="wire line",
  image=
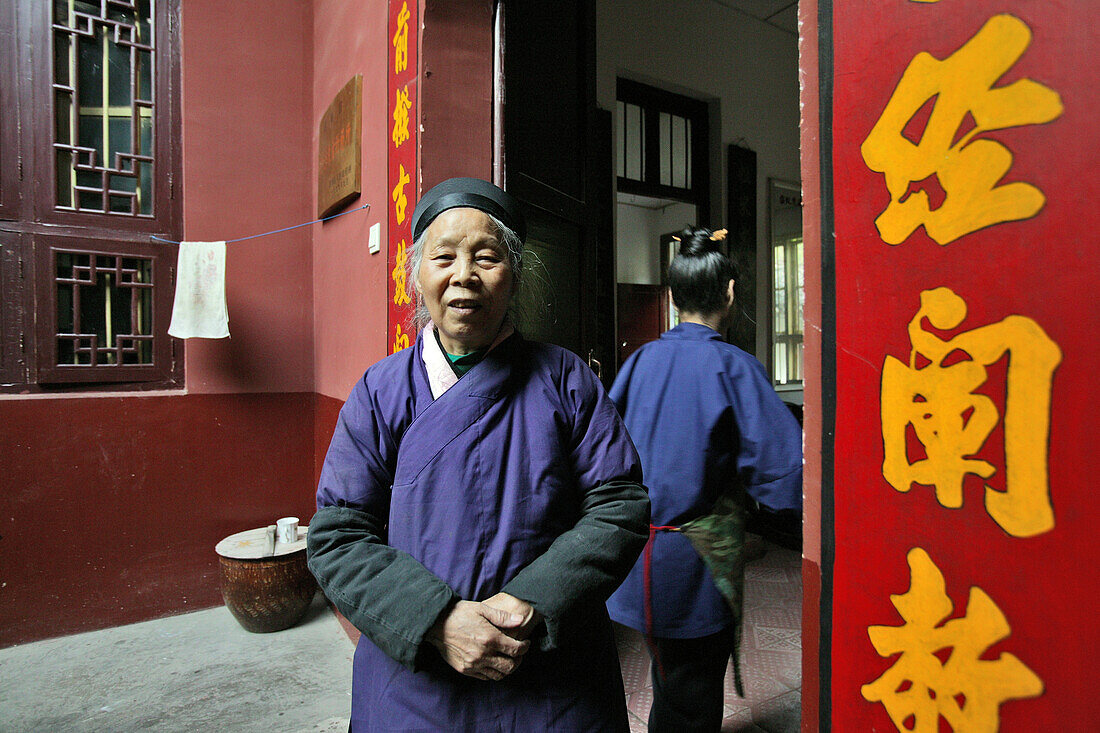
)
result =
(275, 231)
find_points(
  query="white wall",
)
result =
(705, 50)
(638, 230)
(636, 260)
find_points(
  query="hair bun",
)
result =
(696, 242)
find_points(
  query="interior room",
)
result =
(706, 125)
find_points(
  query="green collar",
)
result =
(460, 364)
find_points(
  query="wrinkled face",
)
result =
(465, 278)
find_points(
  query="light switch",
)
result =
(374, 243)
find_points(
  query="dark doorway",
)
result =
(556, 159)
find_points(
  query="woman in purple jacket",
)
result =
(707, 424)
(479, 501)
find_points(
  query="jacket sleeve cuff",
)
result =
(583, 566)
(384, 592)
(784, 492)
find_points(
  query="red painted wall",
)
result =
(248, 168)
(1041, 267)
(113, 505)
(349, 283)
(456, 90)
(325, 412)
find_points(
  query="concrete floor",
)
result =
(202, 672)
(771, 653)
(196, 672)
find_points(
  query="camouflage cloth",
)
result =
(719, 538)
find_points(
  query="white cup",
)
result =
(286, 529)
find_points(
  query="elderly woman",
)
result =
(479, 501)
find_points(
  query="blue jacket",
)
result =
(703, 415)
(520, 478)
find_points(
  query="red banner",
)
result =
(403, 166)
(964, 163)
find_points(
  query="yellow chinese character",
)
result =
(401, 109)
(400, 201)
(952, 421)
(400, 292)
(401, 40)
(966, 690)
(400, 340)
(968, 169)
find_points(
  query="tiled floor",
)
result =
(771, 653)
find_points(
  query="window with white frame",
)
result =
(662, 144)
(788, 294)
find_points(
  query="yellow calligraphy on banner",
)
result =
(952, 421)
(966, 690)
(400, 340)
(968, 169)
(401, 40)
(400, 292)
(400, 201)
(401, 108)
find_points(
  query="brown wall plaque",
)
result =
(340, 149)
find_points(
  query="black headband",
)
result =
(472, 193)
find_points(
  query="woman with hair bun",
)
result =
(713, 437)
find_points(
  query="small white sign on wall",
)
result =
(374, 242)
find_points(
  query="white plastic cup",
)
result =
(286, 529)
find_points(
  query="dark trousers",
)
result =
(688, 683)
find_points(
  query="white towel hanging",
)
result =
(199, 309)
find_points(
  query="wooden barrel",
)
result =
(265, 592)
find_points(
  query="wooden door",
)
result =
(642, 316)
(557, 162)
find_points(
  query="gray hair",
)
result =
(512, 245)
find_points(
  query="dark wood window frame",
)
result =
(33, 228)
(653, 102)
(9, 119)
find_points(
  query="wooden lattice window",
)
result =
(104, 308)
(109, 307)
(87, 292)
(104, 105)
(9, 117)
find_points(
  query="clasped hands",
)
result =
(485, 640)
